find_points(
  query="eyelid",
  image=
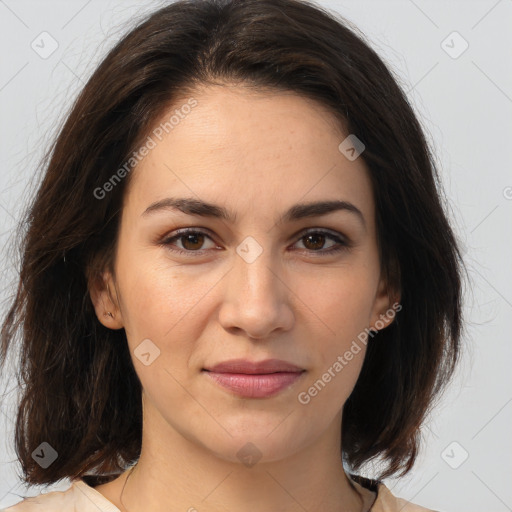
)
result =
(178, 233)
(343, 242)
(326, 231)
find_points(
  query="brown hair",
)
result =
(80, 390)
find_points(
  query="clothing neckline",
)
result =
(95, 496)
(368, 494)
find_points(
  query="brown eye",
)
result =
(314, 241)
(191, 240)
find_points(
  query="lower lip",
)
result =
(255, 386)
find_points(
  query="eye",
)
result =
(192, 241)
(315, 239)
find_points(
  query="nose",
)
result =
(257, 301)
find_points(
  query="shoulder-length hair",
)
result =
(81, 393)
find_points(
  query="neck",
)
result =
(174, 473)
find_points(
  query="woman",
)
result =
(239, 280)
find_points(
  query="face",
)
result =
(264, 282)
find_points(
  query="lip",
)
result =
(254, 379)
(253, 367)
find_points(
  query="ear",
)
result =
(102, 289)
(385, 306)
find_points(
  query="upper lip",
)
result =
(253, 367)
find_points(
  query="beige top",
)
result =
(81, 497)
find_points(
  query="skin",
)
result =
(257, 154)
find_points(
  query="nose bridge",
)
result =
(255, 299)
(255, 266)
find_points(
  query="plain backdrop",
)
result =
(454, 60)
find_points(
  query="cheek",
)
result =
(338, 299)
(339, 304)
(155, 298)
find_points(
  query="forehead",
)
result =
(248, 148)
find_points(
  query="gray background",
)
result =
(464, 100)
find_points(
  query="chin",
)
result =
(255, 441)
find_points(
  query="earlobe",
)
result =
(105, 303)
(386, 306)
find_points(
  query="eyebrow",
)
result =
(192, 206)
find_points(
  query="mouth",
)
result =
(255, 379)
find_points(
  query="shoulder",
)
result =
(80, 497)
(381, 498)
(387, 502)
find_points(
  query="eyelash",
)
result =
(343, 243)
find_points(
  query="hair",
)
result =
(81, 393)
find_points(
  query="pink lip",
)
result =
(255, 379)
(250, 367)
